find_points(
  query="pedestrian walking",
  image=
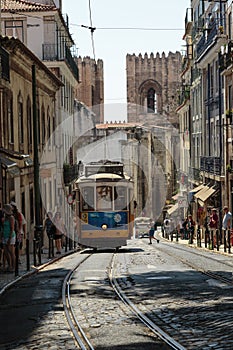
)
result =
(227, 221)
(151, 234)
(48, 224)
(8, 237)
(191, 228)
(60, 231)
(185, 228)
(213, 224)
(20, 226)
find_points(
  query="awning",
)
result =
(200, 193)
(196, 189)
(9, 165)
(175, 197)
(173, 209)
(204, 194)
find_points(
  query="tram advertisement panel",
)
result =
(112, 220)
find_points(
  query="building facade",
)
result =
(208, 36)
(18, 126)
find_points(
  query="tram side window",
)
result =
(120, 195)
(103, 197)
(87, 198)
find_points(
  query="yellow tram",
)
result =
(104, 206)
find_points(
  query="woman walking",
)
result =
(60, 231)
(8, 236)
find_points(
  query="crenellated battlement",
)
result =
(157, 74)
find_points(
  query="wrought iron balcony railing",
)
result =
(70, 173)
(226, 59)
(211, 165)
(209, 34)
(194, 174)
(52, 52)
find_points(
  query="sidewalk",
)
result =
(9, 278)
(194, 244)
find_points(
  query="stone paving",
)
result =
(9, 278)
(6, 279)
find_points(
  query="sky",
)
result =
(112, 45)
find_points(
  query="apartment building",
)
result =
(17, 112)
(208, 33)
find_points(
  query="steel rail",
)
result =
(204, 272)
(75, 327)
(144, 319)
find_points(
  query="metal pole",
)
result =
(0, 18)
(38, 226)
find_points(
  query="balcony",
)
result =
(52, 52)
(70, 173)
(184, 95)
(194, 174)
(4, 64)
(211, 36)
(226, 59)
(211, 165)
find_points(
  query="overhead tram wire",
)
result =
(126, 28)
(92, 29)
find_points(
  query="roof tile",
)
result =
(22, 5)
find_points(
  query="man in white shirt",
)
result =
(227, 219)
(226, 222)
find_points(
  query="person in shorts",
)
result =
(8, 237)
(151, 234)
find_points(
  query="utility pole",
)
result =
(38, 226)
(0, 18)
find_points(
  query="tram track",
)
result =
(142, 317)
(180, 326)
(208, 273)
(80, 335)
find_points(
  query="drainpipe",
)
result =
(38, 226)
(220, 137)
(208, 110)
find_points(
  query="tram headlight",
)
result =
(104, 227)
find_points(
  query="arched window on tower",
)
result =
(151, 101)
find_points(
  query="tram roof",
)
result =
(103, 176)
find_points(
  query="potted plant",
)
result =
(229, 113)
(228, 168)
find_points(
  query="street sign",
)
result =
(182, 202)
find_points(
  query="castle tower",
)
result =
(90, 89)
(152, 86)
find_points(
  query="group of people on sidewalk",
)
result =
(12, 233)
(186, 228)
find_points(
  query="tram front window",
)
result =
(120, 202)
(87, 198)
(104, 197)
